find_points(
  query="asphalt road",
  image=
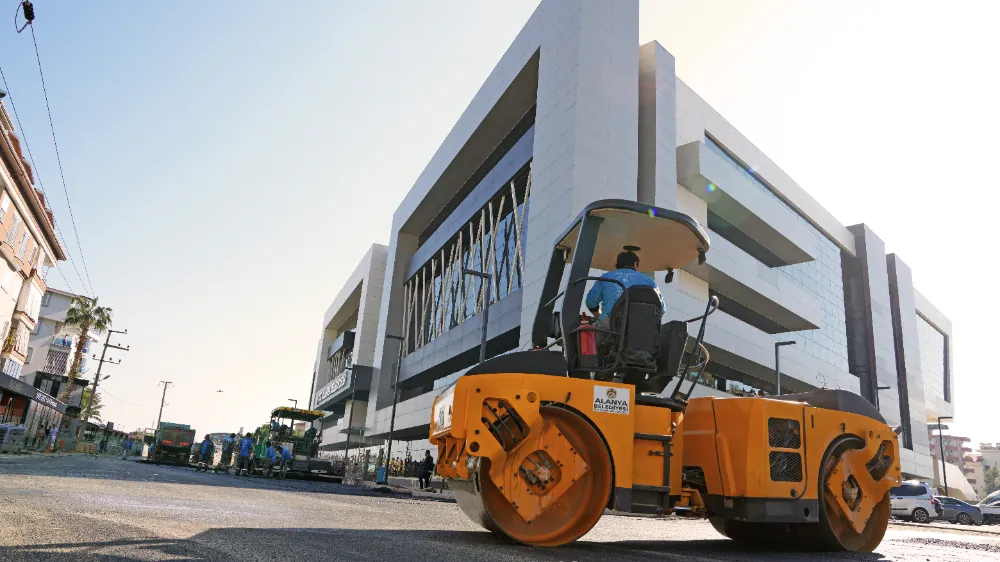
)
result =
(79, 508)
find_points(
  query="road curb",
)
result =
(978, 529)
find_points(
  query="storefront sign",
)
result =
(21, 388)
(46, 399)
(340, 381)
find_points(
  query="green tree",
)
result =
(85, 314)
(95, 408)
(991, 479)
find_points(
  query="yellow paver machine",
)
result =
(537, 444)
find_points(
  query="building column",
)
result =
(586, 127)
(913, 409)
(871, 346)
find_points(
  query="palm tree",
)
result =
(95, 408)
(85, 313)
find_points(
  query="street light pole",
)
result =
(944, 472)
(777, 360)
(395, 399)
(488, 280)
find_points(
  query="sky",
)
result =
(228, 166)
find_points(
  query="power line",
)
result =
(62, 174)
(41, 186)
(106, 393)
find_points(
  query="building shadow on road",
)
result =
(300, 545)
(110, 468)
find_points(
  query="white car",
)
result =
(914, 500)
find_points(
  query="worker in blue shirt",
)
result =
(286, 460)
(270, 459)
(246, 448)
(603, 295)
(228, 444)
(207, 453)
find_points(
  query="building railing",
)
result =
(63, 342)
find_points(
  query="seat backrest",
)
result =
(641, 326)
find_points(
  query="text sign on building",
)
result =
(333, 386)
(46, 399)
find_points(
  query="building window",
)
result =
(4, 205)
(25, 238)
(45, 298)
(27, 356)
(933, 360)
(15, 224)
(440, 296)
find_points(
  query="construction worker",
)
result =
(207, 451)
(603, 295)
(245, 448)
(286, 460)
(426, 470)
(228, 444)
(269, 458)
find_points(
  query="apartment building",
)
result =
(576, 111)
(28, 245)
(51, 347)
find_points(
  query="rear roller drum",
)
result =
(569, 517)
(832, 533)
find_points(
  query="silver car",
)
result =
(915, 501)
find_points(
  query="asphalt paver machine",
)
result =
(280, 431)
(537, 444)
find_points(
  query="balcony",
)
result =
(56, 362)
(751, 211)
(62, 342)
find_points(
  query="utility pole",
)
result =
(100, 363)
(159, 416)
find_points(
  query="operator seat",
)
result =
(637, 334)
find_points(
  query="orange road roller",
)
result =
(599, 415)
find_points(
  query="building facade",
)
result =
(576, 111)
(343, 368)
(51, 346)
(28, 246)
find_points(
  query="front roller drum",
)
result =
(834, 531)
(570, 516)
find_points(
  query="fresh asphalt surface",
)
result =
(81, 508)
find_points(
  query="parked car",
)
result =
(957, 511)
(915, 501)
(990, 506)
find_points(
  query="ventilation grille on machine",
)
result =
(785, 467)
(783, 433)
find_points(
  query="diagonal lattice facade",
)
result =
(440, 296)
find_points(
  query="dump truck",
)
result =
(536, 444)
(173, 443)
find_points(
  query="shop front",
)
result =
(27, 416)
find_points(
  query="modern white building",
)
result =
(576, 111)
(343, 367)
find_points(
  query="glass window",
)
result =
(27, 356)
(933, 360)
(12, 231)
(24, 244)
(4, 205)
